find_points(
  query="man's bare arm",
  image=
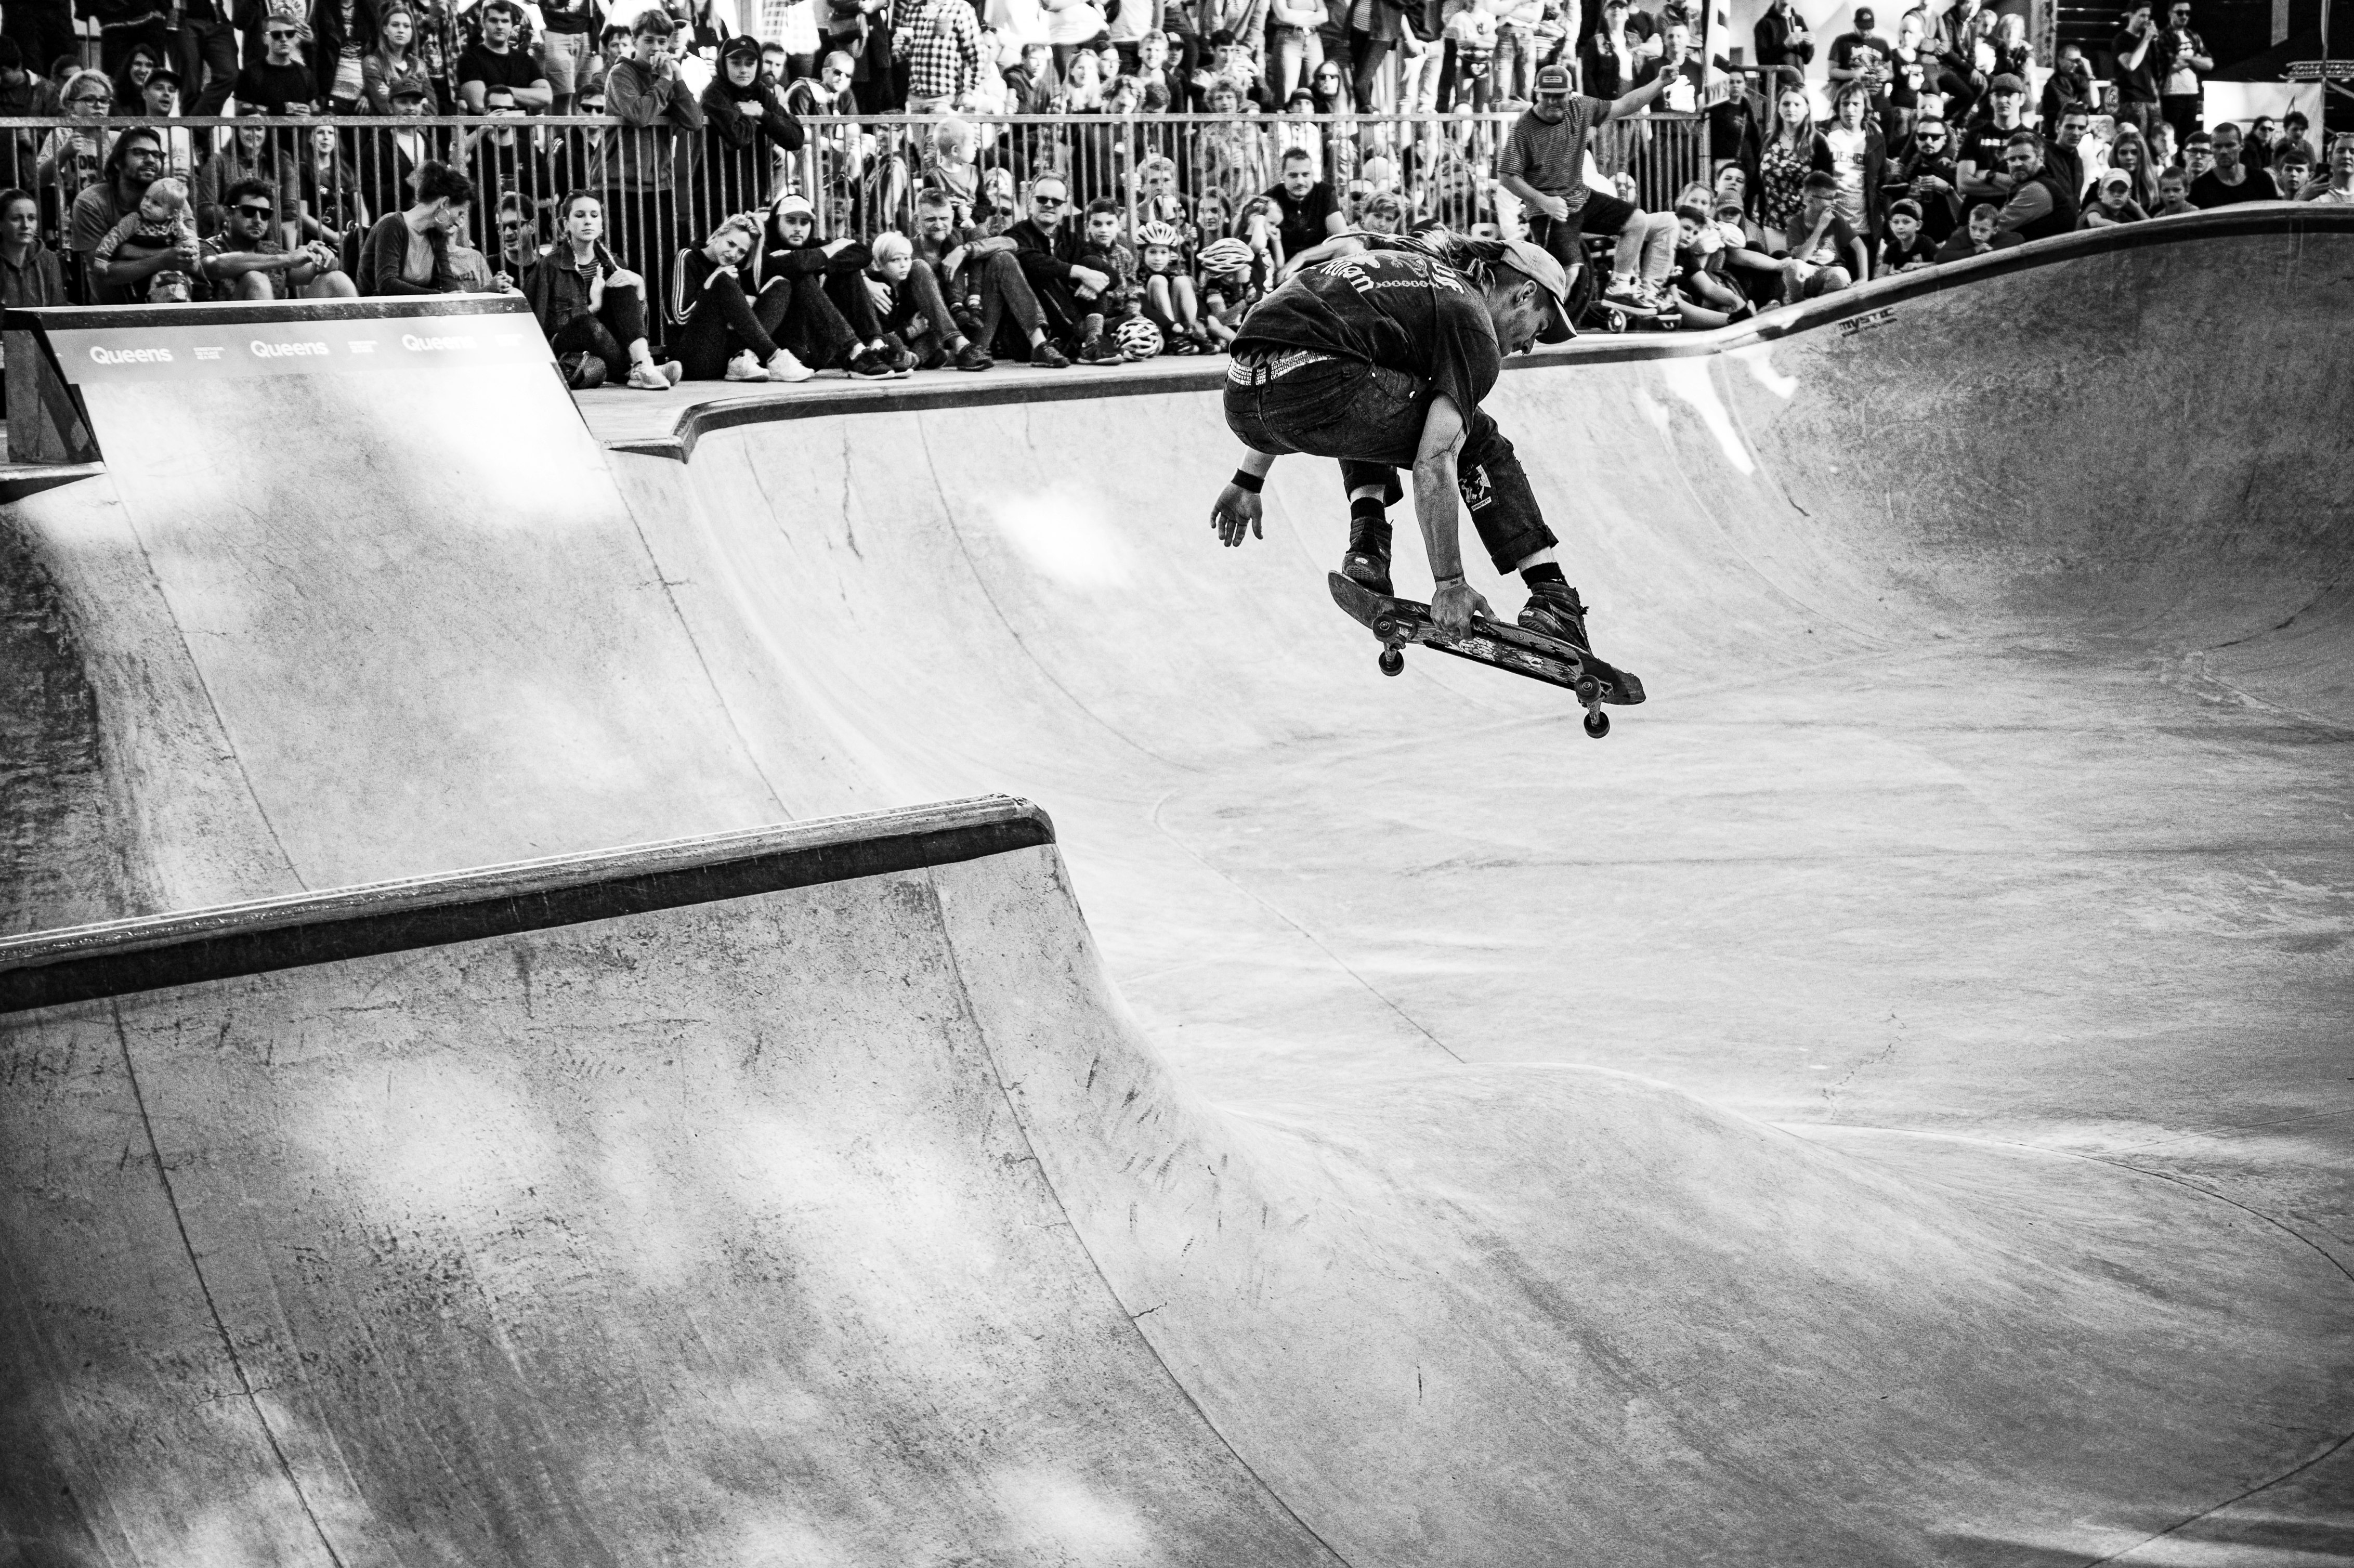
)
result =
(1437, 507)
(1641, 97)
(1237, 513)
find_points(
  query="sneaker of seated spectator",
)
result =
(592, 308)
(845, 330)
(245, 261)
(723, 322)
(1977, 236)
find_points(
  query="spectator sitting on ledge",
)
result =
(245, 261)
(722, 334)
(29, 273)
(845, 330)
(1978, 237)
(590, 305)
(408, 253)
(915, 310)
(1826, 252)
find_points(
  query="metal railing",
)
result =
(663, 189)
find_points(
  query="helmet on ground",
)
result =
(1138, 338)
(1158, 233)
(1224, 256)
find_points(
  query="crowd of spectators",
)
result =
(841, 191)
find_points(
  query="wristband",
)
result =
(1245, 480)
(1449, 581)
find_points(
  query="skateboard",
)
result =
(1398, 622)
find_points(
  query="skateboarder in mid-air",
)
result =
(1381, 359)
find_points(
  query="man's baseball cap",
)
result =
(1863, 17)
(743, 46)
(2116, 178)
(2007, 82)
(795, 202)
(1551, 79)
(1537, 265)
(411, 89)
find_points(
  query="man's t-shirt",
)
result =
(1680, 96)
(1894, 253)
(2207, 191)
(1551, 158)
(1836, 247)
(274, 87)
(2139, 84)
(1303, 217)
(1401, 309)
(513, 69)
(1863, 53)
(2178, 44)
(1983, 141)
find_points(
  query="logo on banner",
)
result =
(415, 344)
(286, 350)
(131, 356)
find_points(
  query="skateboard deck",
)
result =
(1399, 622)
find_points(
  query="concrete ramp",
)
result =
(807, 1197)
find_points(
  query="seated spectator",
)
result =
(1102, 250)
(1907, 246)
(915, 310)
(1230, 289)
(593, 308)
(161, 230)
(2063, 150)
(2069, 85)
(247, 262)
(408, 252)
(247, 155)
(170, 287)
(2336, 187)
(724, 321)
(980, 275)
(2112, 203)
(518, 229)
(328, 191)
(828, 309)
(29, 271)
(134, 163)
(2041, 203)
(1307, 213)
(949, 168)
(1977, 236)
(2231, 181)
(1706, 293)
(2197, 155)
(2173, 194)
(2130, 152)
(1167, 289)
(1156, 77)
(1927, 177)
(1827, 254)
(1048, 248)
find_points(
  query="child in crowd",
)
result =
(1229, 288)
(1827, 254)
(1168, 291)
(162, 222)
(2173, 194)
(2112, 203)
(1904, 248)
(2292, 168)
(1705, 296)
(1976, 236)
(1101, 248)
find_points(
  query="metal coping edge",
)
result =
(116, 958)
(1590, 349)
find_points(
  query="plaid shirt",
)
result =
(940, 41)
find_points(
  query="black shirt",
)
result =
(2207, 191)
(513, 69)
(1983, 141)
(272, 88)
(1862, 51)
(1893, 253)
(2139, 85)
(1403, 309)
(1303, 217)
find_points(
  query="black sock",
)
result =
(1369, 529)
(1544, 572)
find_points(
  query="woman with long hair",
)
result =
(327, 189)
(394, 62)
(408, 253)
(2130, 152)
(592, 308)
(250, 153)
(1782, 165)
(2013, 54)
(131, 81)
(1855, 155)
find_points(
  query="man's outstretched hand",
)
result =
(1454, 605)
(1237, 513)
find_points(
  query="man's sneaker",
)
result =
(1628, 294)
(972, 358)
(783, 366)
(899, 359)
(647, 377)
(867, 365)
(1367, 564)
(1553, 612)
(1101, 351)
(1657, 295)
(1046, 356)
(744, 368)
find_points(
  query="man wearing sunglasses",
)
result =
(1048, 249)
(2182, 61)
(282, 82)
(245, 261)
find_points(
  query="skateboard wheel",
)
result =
(1588, 690)
(1597, 723)
(1393, 661)
(1383, 627)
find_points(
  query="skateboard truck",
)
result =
(1394, 636)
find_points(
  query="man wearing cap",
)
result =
(745, 126)
(1543, 164)
(1983, 172)
(1862, 56)
(1382, 359)
(2041, 203)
